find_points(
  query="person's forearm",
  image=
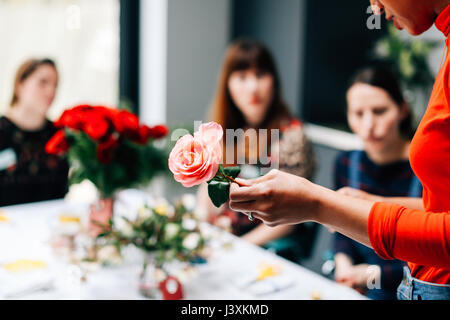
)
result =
(344, 214)
(342, 260)
(410, 203)
(262, 234)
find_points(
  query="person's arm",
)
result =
(395, 232)
(410, 235)
(280, 198)
(411, 203)
(343, 264)
(263, 234)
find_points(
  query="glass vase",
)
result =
(151, 276)
(100, 214)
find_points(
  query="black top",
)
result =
(27, 172)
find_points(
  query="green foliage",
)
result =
(407, 57)
(219, 187)
(133, 165)
(161, 231)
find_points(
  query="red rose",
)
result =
(96, 127)
(126, 123)
(58, 144)
(74, 118)
(158, 132)
(105, 150)
(144, 133)
(141, 136)
(108, 113)
(82, 108)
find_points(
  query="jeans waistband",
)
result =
(415, 289)
(408, 279)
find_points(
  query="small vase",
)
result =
(100, 215)
(150, 278)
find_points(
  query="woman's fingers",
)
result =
(247, 206)
(244, 182)
(243, 194)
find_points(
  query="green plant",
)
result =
(169, 232)
(408, 58)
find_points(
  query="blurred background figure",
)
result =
(249, 97)
(27, 173)
(379, 115)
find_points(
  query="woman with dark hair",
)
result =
(394, 231)
(378, 114)
(249, 97)
(27, 173)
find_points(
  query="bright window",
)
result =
(82, 36)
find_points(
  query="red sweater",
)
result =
(423, 238)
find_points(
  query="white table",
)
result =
(26, 237)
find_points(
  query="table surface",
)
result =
(26, 236)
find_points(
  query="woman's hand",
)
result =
(359, 276)
(280, 198)
(277, 198)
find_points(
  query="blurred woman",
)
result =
(27, 173)
(379, 115)
(249, 97)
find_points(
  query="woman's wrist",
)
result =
(320, 203)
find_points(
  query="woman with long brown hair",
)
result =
(248, 99)
(27, 173)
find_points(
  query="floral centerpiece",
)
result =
(164, 232)
(110, 148)
(168, 232)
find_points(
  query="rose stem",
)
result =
(231, 179)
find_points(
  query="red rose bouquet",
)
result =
(109, 147)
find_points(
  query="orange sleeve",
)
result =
(410, 235)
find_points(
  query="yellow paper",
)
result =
(24, 266)
(69, 219)
(268, 271)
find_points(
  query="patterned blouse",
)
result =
(295, 156)
(27, 173)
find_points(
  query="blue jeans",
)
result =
(414, 289)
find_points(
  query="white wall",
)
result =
(182, 47)
(198, 31)
(84, 44)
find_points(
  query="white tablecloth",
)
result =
(26, 236)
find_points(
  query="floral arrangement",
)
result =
(168, 231)
(109, 147)
(197, 159)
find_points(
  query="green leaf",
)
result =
(219, 192)
(103, 235)
(232, 171)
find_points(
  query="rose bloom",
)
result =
(196, 159)
(105, 150)
(58, 144)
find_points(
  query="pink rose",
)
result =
(196, 159)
